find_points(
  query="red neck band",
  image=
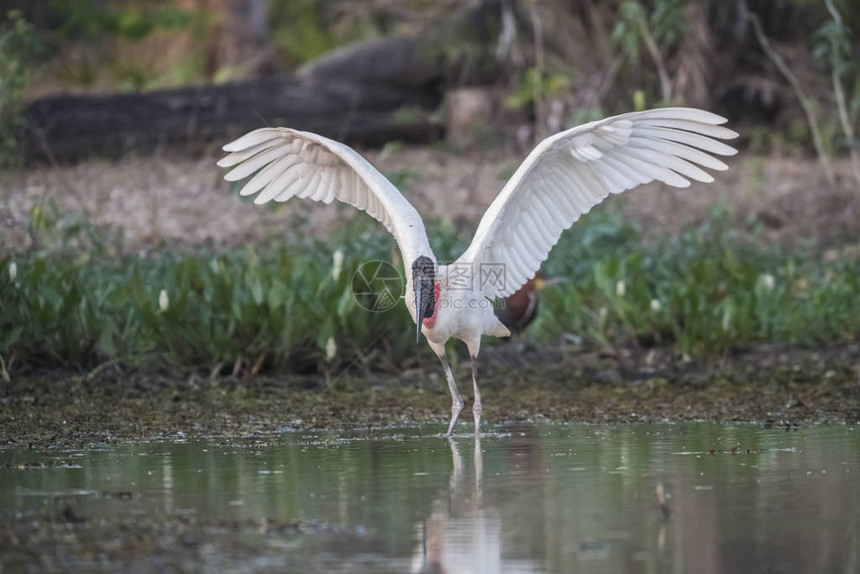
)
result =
(430, 321)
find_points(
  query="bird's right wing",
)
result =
(569, 173)
(289, 163)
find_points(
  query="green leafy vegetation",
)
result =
(299, 30)
(128, 46)
(282, 309)
(198, 311)
(532, 81)
(91, 19)
(19, 47)
(706, 292)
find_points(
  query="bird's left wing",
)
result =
(290, 163)
(569, 173)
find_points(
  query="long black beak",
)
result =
(419, 307)
(423, 274)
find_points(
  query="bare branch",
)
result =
(808, 109)
(537, 84)
(657, 56)
(844, 119)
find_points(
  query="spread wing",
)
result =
(569, 173)
(288, 163)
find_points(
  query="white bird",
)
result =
(562, 178)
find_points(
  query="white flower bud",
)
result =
(13, 271)
(620, 288)
(330, 349)
(655, 305)
(163, 301)
(337, 264)
(767, 281)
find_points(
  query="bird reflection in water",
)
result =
(462, 534)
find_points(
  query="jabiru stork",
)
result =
(561, 179)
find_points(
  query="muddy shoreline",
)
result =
(768, 385)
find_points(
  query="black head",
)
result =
(423, 279)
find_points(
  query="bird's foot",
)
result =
(455, 413)
(519, 346)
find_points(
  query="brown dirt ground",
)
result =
(767, 385)
(183, 201)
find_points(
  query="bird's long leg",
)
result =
(456, 400)
(476, 407)
(479, 471)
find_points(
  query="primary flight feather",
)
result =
(562, 178)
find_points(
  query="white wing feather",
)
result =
(569, 173)
(289, 163)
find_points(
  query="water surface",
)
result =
(545, 498)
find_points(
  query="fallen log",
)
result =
(68, 128)
(366, 94)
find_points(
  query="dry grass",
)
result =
(184, 202)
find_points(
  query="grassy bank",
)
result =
(77, 301)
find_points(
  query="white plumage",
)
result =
(569, 173)
(288, 163)
(562, 178)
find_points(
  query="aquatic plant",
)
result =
(291, 308)
(707, 292)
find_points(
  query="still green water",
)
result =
(545, 498)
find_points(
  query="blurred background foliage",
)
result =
(19, 46)
(563, 60)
